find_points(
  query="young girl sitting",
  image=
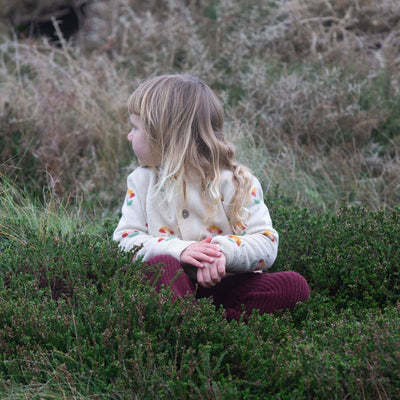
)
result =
(194, 213)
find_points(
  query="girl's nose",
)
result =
(130, 136)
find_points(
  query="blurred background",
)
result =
(311, 92)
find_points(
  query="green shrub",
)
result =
(351, 255)
(311, 87)
(79, 318)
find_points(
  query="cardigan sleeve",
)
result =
(255, 245)
(132, 230)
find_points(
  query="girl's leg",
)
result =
(267, 292)
(170, 274)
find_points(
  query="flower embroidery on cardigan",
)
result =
(166, 230)
(130, 196)
(240, 228)
(130, 234)
(235, 239)
(269, 235)
(254, 194)
(165, 238)
(214, 230)
(258, 265)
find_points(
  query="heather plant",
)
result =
(79, 319)
(350, 255)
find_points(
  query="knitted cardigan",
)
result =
(156, 226)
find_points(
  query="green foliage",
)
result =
(350, 256)
(79, 318)
(312, 86)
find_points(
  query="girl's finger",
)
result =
(211, 250)
(202, 257)
(207, 239)
(214, 275)
(206, 277)
(196, 263)
(192, 261)
(200, 278)
(221, 269)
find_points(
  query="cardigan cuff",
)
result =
(177, 247)
(226, 248)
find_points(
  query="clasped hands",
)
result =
(209, 260)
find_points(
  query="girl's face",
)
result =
(140, 142)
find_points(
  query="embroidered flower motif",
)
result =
(254, 194)
(130, 234)
(240, 228)
(235, 239)
(214, 230)
(269, 235)
(161, 239)
(130, 196)
(165, 230)
(259, 265)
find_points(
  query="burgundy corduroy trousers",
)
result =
(267, 292)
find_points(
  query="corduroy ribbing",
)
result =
(266, 292)
(170, 274)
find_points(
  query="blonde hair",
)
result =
(183, 120)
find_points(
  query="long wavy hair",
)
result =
(184, 119)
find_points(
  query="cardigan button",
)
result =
(185, 214)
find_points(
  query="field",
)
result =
(312, 100)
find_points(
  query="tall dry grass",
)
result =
(70, 113)
(311, 91)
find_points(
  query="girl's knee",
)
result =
(286, 288)
(298, 284)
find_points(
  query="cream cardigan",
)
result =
(155, 226)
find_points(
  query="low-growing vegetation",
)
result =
(80, 321)
(312, 96)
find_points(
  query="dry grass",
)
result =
(71, 111)
(311, 91)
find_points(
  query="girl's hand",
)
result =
(212, 273)
(200, 252)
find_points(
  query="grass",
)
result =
(313, 88)
(311, 94)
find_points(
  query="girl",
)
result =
(195, 214)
